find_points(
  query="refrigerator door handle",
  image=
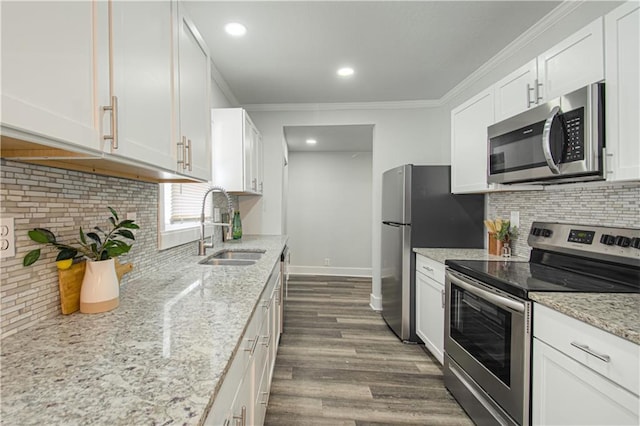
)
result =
(390, 223)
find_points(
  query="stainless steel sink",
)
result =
(226, 262)
(233, 258)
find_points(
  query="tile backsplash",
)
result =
(63, 200)
(590, 204)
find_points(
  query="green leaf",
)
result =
(104, 255)
(126, 233)
(31, 257)
(94, 237)
(119, 250)
(41, 235)
(128, 224)
(97, 228)
(82, 238)
(113, 221)
(113, 212)
(66, 253)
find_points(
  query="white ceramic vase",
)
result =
(100, 290)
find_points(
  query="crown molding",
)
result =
(341, 106)
(549, 20)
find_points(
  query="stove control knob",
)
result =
(623, 241)
(635, 243)
(547, 233)
(536, 231)
(608, 239)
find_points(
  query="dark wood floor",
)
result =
(339, 364)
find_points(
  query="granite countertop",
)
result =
(617, 313)
(442, 254)
(156, 359)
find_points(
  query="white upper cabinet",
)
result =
(622, 37)
(194, 140)
(573, 63)
(517, 92)
(141, 65)
(469, 123)
(237, 151)
(49, 71)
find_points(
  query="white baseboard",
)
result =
(330, 270)
(376, 302)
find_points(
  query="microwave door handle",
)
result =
(546, 141)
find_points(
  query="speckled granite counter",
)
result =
(157, 359)
(618, 314)
(442, 254)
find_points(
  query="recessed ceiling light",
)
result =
(345, 72)
(235, 29)
(311, 141)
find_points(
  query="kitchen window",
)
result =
(179, 213)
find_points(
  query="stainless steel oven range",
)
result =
(488, 314)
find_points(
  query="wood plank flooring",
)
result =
(339, 364)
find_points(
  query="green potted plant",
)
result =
(100, 288)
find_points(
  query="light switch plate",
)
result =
(7, 238)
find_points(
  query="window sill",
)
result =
(169, 238)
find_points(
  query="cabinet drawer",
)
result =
(430, 268)
(567, 335)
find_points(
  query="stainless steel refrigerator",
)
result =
(418, 210)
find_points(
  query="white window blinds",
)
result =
(185, 202)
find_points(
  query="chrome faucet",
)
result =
(202, 245)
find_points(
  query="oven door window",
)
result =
(483, 330)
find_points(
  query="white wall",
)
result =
(400, 136)
(329, 212)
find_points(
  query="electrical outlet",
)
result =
(216, 215)
(327, 262)
(7, 238)
(515, 220)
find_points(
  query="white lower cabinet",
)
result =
(244, 393)
(430, 305)
(582, 375)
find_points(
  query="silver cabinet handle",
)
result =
(182, 147)
(546, 141)
(188, 155)
(261, 187)
(265, 395)
(537, 91)
(427, 268)
(587, 349)
(254, 184)
(267, 340)
(252, 348)
(113, 137)
(242, 417)
(529, 90)
(442, 297)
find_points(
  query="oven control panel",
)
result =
(602, 242)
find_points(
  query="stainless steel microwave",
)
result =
(559, 141)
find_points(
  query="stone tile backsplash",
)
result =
(62, 200)
(590, 204)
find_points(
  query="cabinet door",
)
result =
(430, 314)
(567, 393)
(195, 122)
(517, 92)
(469, 124)
(622, 37)
(49, 70)
(573, 63)
(142, 63)
(249, 145)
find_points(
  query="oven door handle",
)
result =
(494, 298)
(546, 141)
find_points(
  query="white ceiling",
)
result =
(346, 138)
(401, 50)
